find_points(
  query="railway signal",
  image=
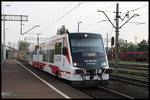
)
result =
(112, 49)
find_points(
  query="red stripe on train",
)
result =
(67, 51)
(56, 68)
(53, 67)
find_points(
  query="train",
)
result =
(79, 58)
(131, 55)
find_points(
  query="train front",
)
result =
(89, 59)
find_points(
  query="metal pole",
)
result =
(117, 35)
(3, 36)
(38, 39)
(126, 46)
(4, 49)
(21, 24)
(78, 25)
(107, 44)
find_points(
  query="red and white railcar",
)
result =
(77, 57)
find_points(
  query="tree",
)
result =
(143, 45)
(132, 47)
(62, 30)
(23, 45)
(122, 45)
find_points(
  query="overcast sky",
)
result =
(52, 15)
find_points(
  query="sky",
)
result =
(52, 15)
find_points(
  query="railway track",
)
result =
(129, 80)
(134, 73)
(131, 65)
(131, 74)
(101, 92)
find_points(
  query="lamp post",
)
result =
(38, 37)
(78, 25)
(4, 51)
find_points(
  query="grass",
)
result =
(131, 62)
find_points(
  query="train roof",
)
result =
(81, 34)
(73, 34)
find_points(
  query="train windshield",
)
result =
(87, 46)
(87, 50)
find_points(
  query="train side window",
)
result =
(120, 55)
(64, 42)
(41, 50)
(145, 54)
(131, 55)
(138, 54)
(31, 55)
(64, 45)
(35, 51)
(125, 55)
(51, 56)
(58, 47)
(45, 55)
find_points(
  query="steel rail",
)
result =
(118, 93)
(129, 80)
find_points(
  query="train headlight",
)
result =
(85, 35)
(75, 64)
(103, 64)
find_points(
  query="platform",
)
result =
(17, 82)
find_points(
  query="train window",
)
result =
(31, 55)
(35, 51)
(51, 56)
(125, 55)
(131, 55)
(41, 50)
(120, 55)
(45, 55)
(64, 44)
(145, 54)
(58, 47)
(138, 54)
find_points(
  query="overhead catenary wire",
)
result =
(89, 16)
(129, 28)
(61, 16)
(137, 8)
(127, 13)
(111, 11)
(96, 12)
(58, 12)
